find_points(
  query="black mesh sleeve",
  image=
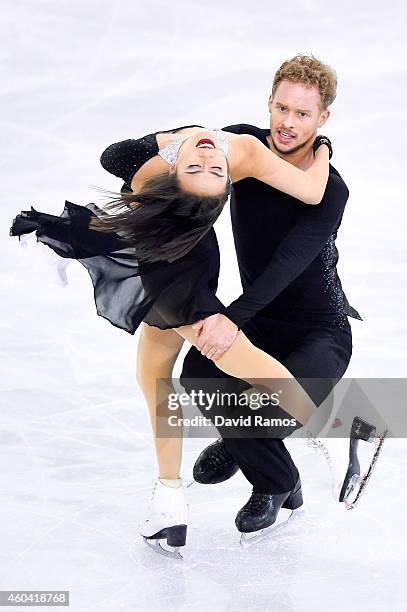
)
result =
(122, 159)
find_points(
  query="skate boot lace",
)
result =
(150, 503)
(221, 457)
(257, 501)
(153, 491)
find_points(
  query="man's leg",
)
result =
(320, 362)
(265, 462)
(321, 358)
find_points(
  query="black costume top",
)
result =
(289, 270)
(127, 291)
(286, 250)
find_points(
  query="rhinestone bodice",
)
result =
(169, 153)
(125, 158)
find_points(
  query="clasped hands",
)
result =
(215, 335)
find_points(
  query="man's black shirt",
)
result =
(286, 250)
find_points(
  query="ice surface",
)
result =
(75, 447)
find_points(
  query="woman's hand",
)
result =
(215, 335)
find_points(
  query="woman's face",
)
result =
(201, 165)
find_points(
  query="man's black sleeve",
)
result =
(297, 250)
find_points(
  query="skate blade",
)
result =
(352, 483)
(156, 545)
(247, 539)
(360, 482)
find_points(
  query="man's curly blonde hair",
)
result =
(309, 71)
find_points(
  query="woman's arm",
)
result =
(308, 186)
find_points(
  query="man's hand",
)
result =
(215, 335)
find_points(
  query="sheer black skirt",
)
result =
(126, 291)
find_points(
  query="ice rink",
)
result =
(76, 453)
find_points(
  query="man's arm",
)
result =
(295, 253)
(298, 249)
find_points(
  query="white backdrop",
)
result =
(76, 453)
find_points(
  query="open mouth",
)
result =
(285, 136)
(206, 143)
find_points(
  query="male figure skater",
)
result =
(292, 305)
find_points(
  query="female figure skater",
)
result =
(155, 262)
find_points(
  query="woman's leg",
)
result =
(244, 360)
(157, 352)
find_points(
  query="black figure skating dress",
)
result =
(127, 291)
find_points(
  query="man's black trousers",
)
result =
(320, 350)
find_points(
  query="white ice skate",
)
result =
(166, 520)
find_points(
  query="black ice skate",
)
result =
(258, 517)
(215, 464)
(353, 482)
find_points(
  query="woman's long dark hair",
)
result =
(162, 222)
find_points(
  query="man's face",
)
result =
(295, 115)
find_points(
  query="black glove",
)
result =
(319, 140)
